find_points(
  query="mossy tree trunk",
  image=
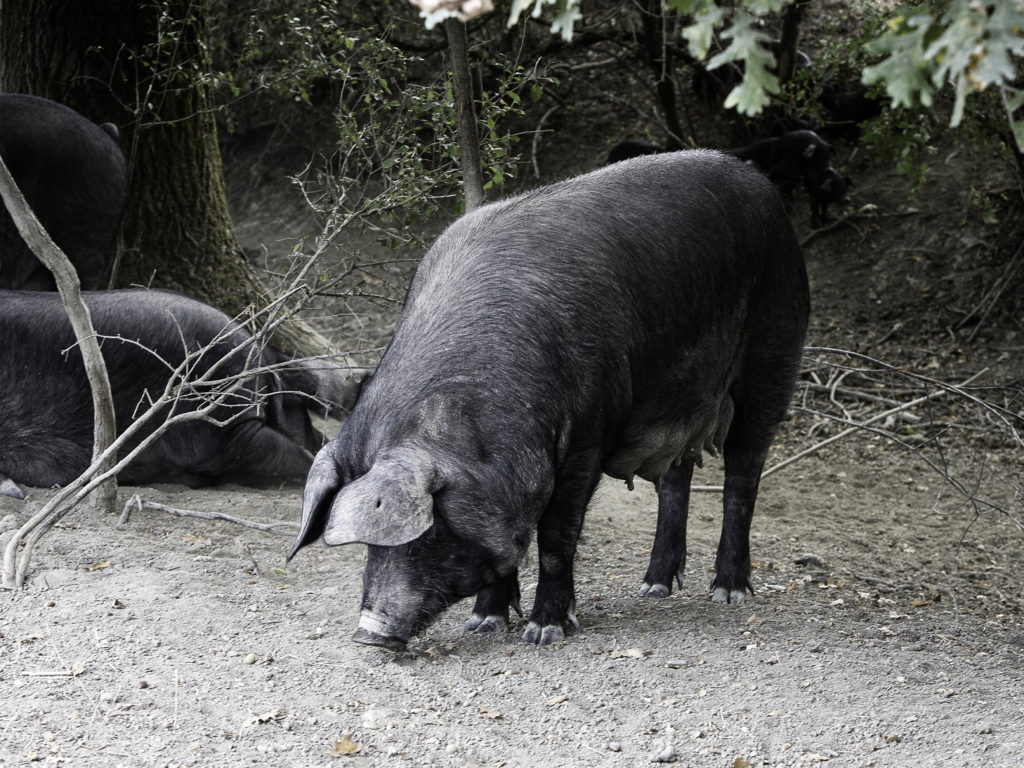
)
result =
(141, 65)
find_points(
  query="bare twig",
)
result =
(943, 389)
(136, 503)
(858, 395)
(535, 143)
(991, 298)
(814, 234)
(1003, 415)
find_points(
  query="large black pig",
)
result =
(619, 322)
(46, 422)
(73, 175)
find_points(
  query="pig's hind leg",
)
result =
(760, 408)
(491, 610)
(668, 555)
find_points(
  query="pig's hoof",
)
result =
(8, 488)
(723, 595)
(654, 590)
(549, 634)
(538, 635)
(485, 624)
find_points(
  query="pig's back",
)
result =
(619, 299)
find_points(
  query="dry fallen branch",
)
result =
(856, 427)
(849, 387)
(136, 503)
(1007, 419)
(842, 221)
(991, 299)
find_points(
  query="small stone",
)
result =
(450, 748)
(810, 560)
(664, 752)
(377, 718)
(614, 746)
(143, 684)
(250, 658)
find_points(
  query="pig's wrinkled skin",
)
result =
(618, 322)
(73, 175)
(46, 418)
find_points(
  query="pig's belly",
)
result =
(648, 446)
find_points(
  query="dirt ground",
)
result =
(887, 628)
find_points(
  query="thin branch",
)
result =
(137, 504)
(847, 432)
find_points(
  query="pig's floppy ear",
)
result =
(391, 504)
(323, 481)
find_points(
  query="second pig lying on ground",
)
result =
(46, 419)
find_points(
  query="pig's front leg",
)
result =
(554, 607)
(490, 612)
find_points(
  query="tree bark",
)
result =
(469, 139)
(141, 66)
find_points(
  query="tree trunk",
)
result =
(659, 58)
(140, 66)
(790, 40)
(465, 114)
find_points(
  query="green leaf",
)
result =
(761, 7)
(701, 32)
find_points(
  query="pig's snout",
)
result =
(373, 630)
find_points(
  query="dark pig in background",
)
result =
(833, 189)
(46, 418)
(618, 322)
(848, 105)
(628, 148)
(73, 175)
(793, 160)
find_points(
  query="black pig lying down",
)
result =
(46, 420)
(618, 322)
(73, 175)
